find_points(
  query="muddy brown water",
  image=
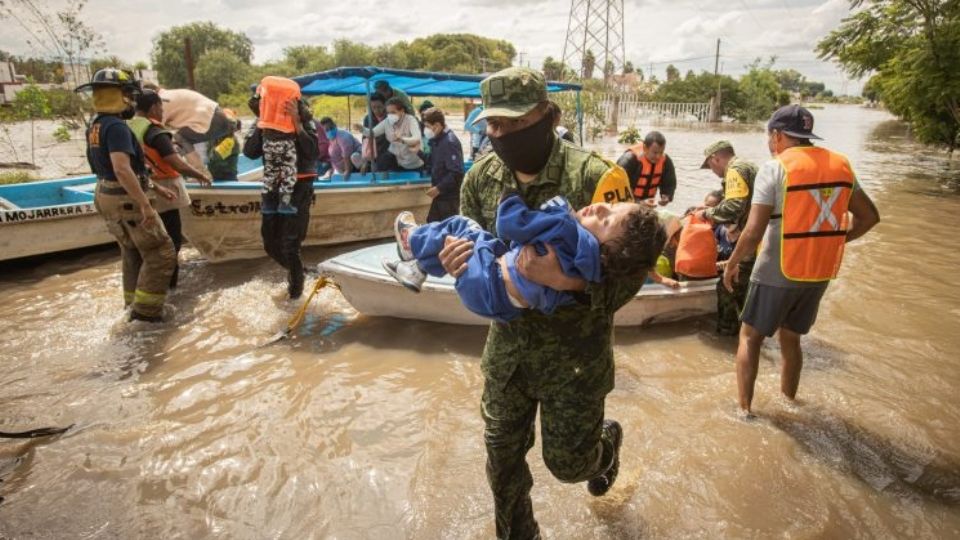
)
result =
(370, 428)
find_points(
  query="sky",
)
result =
(658, 32)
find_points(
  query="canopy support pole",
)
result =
(349, 119)
(373, 138)
(580, 117)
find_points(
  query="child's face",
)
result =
(606, 221)
(711, 201)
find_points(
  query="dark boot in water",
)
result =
(600, 485)
(295, 284)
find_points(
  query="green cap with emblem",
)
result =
(512, 92)
(722, 144)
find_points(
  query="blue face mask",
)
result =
(332, 134)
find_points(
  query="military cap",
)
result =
(714, 148)
(512, 92)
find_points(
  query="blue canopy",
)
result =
(358, 81)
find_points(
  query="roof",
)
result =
(352, 81)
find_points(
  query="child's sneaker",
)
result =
(402, 227)
(286, 208)
(406, 272)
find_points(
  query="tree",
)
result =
(218, 72)
(59, 34)
(308, 58)
(913, 47)
(761, 92)
(589, 62)
(167, 55)
(349, 53)
(871, 90)
(114, 61)
(673, 74)
(628, 68)
(555, 70)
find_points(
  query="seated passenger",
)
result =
(375, 150)
(663, 271)
(343, 145)
(599, 241)
(224, 153)
(403, 133)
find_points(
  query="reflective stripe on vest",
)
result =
(648, 180)
(814, 217)
(159, 168)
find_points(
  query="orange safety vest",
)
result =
(159, 168)
(274, 94)
(818, 187)
(649, 179)
(697, 250)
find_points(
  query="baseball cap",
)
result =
(793, 120)
(512, 92)
(713, 148)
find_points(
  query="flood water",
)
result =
(370, 428)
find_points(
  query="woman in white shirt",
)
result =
(403, 134)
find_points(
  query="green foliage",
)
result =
(113, 61)
(630, 136)
(168, 49)
(761, 93)
(31, 103)
(61, 134)
(913, 47)
(700, 88)
(218, 71)
(555, 70)
(673, 74)
(308, 58)
(15, 177)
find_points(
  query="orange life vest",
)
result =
(159, 168)
(814, 223)
(648, 180)
(274, 94)
(697, 250)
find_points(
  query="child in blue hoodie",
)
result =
(596, 241)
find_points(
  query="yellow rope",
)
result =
(299, 315)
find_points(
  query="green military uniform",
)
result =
(564, 362)
(734, 209)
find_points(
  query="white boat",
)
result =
(48, 216)
(371, 291)
(223, 221)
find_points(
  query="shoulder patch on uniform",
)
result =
(613, 186)
(736, 186)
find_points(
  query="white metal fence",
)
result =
(627, 110)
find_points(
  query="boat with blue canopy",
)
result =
(223, 222)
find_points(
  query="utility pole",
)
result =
(520, 58)
(715, 110)
(188, 57)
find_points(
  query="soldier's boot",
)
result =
(600, 485)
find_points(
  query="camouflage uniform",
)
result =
(737, 187)
(563, 362)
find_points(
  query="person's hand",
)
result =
(665, 199)
(670, 282)
(149, 216)
(731, 275)
(205, 179)
(433, 192)
(454, 255)
(545, 269)
(650, 202)
(167, 194)
(721, 265)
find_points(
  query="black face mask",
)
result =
(128, 113)
(528, 149)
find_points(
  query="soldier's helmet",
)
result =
(112, 78)
(512, 92)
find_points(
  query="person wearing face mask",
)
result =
(446, 165)
(342, 145)
(807, 205)
(403, 134)
(116, 158)
(560, 364)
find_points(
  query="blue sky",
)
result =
(657, 31)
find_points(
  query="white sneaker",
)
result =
(406, 272)
(402, 227)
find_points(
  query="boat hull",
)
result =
(49, 216)
(223, 223)
(372, 292)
